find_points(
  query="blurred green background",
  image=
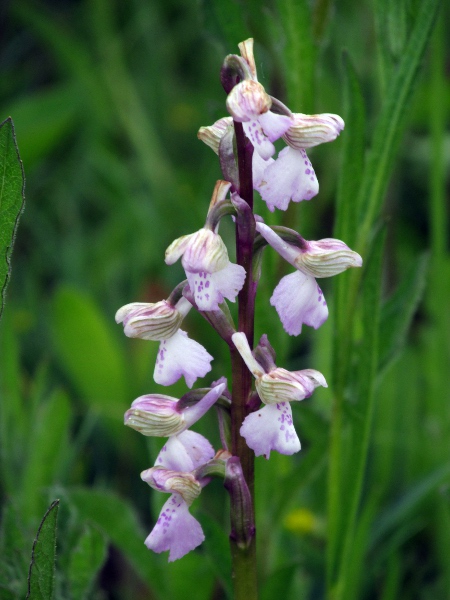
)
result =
(107, 98)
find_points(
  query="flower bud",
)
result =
(212, 135)
(248, 100)
(326, 258)
(157, 321)
(156, 415)
(280, 385)
(174, 482)
(311, 130)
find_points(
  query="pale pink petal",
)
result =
(291, 177)
(176, 530)
(271, 428)
(185, 452)
(260, 142)
(180, 356)
(274, 125)
(259, 165)
(210, 289)
(298, 299)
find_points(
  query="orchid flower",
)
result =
(178, 355)
(211, 275)
(185, 451)
(176, 529)
(271, 427)
(297, 298)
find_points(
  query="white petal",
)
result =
(274, 125)
(180, 356)
(185, 452)
(210, 289)
(259, 165)
(260, 142)
(271, 428)
(298, 299)
(175, 530)
(291, 177)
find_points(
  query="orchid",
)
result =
(178, 355)
(250, 422)
(271, 427)
(297, 298)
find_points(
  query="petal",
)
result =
(259, 166)
(185, 452)
(274, 125)
(210, 289)
(193, 413)
(260, 142)
(176, 530)
(291, 177)
(271, 428)
(289, 252)
(298, 299)
(180, 356)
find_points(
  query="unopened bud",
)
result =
(212, 135)
(164, 480)
(311, 130)
(248, 100)
(326, 258)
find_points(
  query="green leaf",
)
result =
(44, 118)
(217, 550)
(48, 447)
(89, 352)
(403, 508)
(42, 567)
(391, 121)
(86, 560)
(279, 583)
(12, 187)
(299, 52)
(118, 520)
(398, 311)
(352, 154)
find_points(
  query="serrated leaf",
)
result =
(89, 352)
(42, 567)
(398, 312)
(86, 560)
(12, 182)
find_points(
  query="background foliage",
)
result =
(107, 98)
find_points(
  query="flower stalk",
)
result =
(243, 558)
